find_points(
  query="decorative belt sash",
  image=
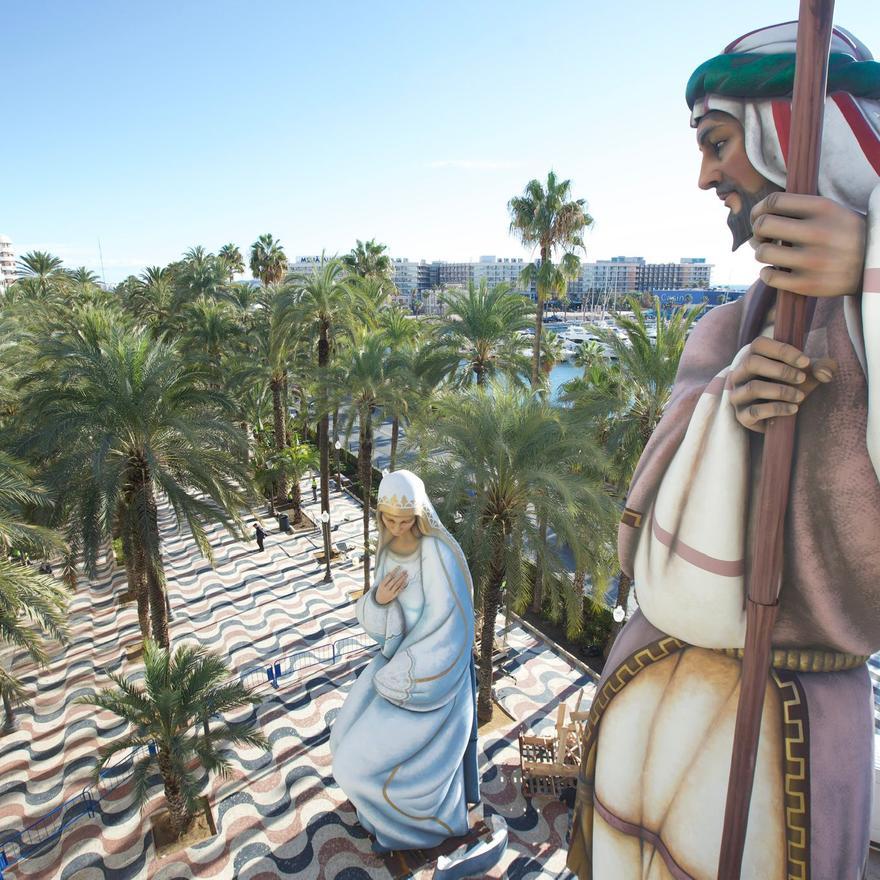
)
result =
(806, 659)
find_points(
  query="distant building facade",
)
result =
(498, 270)
(306, 265)
(694, 272)
(406, 275)
(8, 270)
(419, 282)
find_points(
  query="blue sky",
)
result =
(155, 127)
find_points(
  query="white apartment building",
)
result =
(617, 275)
(8, 271)
(306, 265)
(498, 270)
(406, 274)
(627, 274)
(695, 272)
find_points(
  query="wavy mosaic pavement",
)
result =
(280, 814)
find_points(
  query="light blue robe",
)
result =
(407, 732)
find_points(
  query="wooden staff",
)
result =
(808, 100)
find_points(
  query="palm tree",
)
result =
(275, 342)
(82, 276)
(199, 274)
(369, 260)
(402, 335)
(589, 353)
(169, 724)
(268, 261)
(245, 299)
(43, 267)
(150, 299)
(292, 464)
(212, 333)
(29, 602)
(549, 220)
(371, 383)
(478, 334)
(646, 365)
(232, 259)
(324, 304)
(372, 295)
(552, 352)
(503, 458)
(118, 422)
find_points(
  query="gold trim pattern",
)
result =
(408, 505)
(806, 659)
(797, 780)
(410, 815)
(624, 674)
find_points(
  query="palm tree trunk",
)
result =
(623, 587)
(539, 323)
(580, 581)
(9, 722)
(277, 385)
(304, 409)
(155, 576)
(285, 402)
(538, 588)
(297, 503)
(491, 603)
(135, 571)
(324, 442)
(180, 816)
(395, 433)
(365, 453)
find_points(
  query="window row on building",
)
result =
(617, 275)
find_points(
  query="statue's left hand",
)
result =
(827, 253)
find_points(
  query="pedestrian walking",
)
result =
(260, 534)
(314, 489)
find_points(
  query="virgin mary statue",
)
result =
(404, 743)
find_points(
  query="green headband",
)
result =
(755, 75)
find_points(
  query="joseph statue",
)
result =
(651, 796)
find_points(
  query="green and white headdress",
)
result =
(752, 80)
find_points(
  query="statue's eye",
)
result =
(717, 145)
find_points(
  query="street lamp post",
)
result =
(337, 446)
(325, 526)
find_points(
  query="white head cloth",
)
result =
(849, 173)
(850, 161)
(404, 491)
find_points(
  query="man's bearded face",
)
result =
(726, 169)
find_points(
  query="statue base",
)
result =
(403, 864)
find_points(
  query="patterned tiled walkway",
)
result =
(281, 814)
